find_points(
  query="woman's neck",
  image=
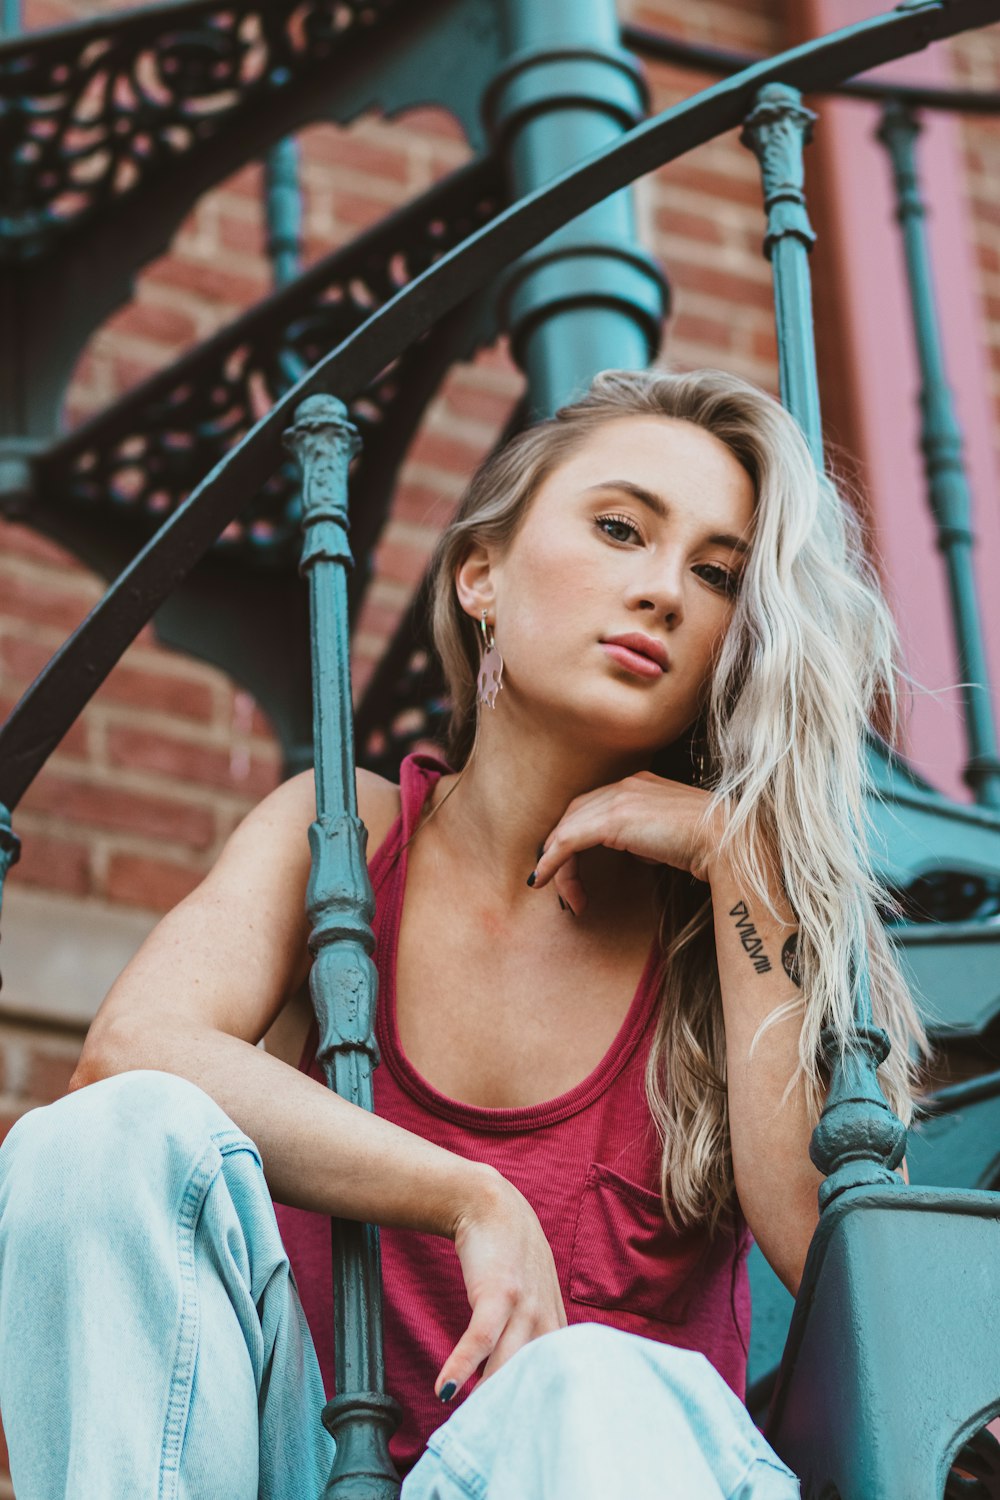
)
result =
(509, 797)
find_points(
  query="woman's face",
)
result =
(641, 531)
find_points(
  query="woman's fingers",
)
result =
(521, 1331)
(579, 830)
(489, 1319)
(569, 886)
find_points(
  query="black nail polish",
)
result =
(448, 1390)
(531, 878)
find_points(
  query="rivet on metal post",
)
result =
(776, 131)
(343, 981)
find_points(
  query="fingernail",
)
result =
(447, 1390)
(531, 877)
(563, 904)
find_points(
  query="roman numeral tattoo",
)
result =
(752, 943)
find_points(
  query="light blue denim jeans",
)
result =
(153, 1345)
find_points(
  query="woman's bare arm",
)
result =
(776, 1182)
(205, 986)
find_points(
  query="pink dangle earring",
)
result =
(488, 683)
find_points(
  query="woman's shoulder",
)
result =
(378, 802)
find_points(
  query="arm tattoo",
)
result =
(749, 938)
(790, 959)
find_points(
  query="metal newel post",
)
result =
(343, 981)
(858, 1140)
(776, 130)
(941, 444)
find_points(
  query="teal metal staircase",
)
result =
(887, 1366)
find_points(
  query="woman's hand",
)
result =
(510, 1278)
(659, 821)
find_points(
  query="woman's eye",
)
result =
(720, 578)
(621, 522)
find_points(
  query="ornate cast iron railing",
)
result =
(97, 110)
(858, 1141)
(136, 461)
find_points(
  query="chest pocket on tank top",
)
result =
(626, 1256)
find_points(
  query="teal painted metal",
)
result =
(283, 196)
(892, 1358)
(941, 442)
(343, 980)
(957, 1142)
(858, 1139)
(589, 296)
(10, 847)
(858, 1409)
(776, 130)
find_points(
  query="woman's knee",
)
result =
(121, 1130)
(570, 1359)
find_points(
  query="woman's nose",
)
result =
(660, 591)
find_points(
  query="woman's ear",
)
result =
(474, 581)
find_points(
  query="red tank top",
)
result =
(588, 1163)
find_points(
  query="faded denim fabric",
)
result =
(591, 1413)
(153, 1344)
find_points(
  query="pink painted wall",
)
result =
(876, 327)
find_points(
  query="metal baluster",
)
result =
(776, 130)
(283, 203)
(343, 982)
(941, 443)
(858, 1138)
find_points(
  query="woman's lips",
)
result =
(633, 661)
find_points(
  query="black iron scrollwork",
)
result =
(138, 461)
(89, 112)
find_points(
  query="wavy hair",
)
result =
(808, 664)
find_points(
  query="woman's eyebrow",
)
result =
(660, 508)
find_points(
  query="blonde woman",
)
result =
(612, 918)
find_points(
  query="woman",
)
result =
(633, 896)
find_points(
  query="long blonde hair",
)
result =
(808, 662)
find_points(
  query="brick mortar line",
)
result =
(112, 778)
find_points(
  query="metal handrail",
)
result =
(701, 57)
(52, 703)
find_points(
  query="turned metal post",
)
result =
(858, 1139)
(283, 202)
(343, 981)
(776, 130)
(941, 443)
